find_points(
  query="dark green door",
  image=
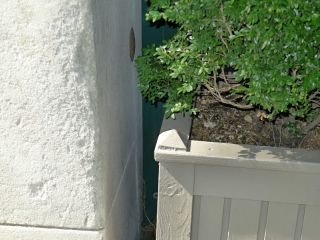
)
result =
(152, 118)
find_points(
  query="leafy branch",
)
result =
(270, 50)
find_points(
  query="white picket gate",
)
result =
(217, 191)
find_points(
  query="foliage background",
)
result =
(245, 53)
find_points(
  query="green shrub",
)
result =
(245, 53)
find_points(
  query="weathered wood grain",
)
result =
(175, 202)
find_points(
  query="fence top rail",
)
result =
(173, 145)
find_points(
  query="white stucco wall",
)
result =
(117, 93)
(70, 120)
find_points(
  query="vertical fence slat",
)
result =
(281, 221)
(211, 210)
(244, 219)
(311, 225)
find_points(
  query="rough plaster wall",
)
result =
(70, 116)
(47, 120)
(118, 93)
(34, 233)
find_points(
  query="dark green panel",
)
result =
(152, 118)
(153, 34)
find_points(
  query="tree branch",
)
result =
(224, 21)
(314, 95)
(312, 125)
(215, 93)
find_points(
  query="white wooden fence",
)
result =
(217, 191)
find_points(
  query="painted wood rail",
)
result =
(218, 191)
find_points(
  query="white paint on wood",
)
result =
(172, 140)
(244, 219)
(281, 222)
(248, 156)
(211, 212)
(242, 192)
(311, 226)
(175, 197)
(257, 184)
